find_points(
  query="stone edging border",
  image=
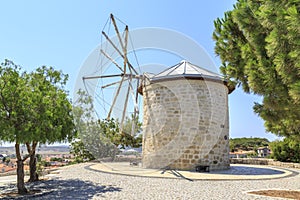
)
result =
(293, 173)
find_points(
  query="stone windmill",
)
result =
(185, 110)
(185, 119)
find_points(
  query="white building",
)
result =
(263, 152)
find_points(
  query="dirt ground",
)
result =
(278, 193)
(5, 168)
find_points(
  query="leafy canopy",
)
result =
(259, 45)
(247, 144)
(14, 103)
(51, 106)
(102, 138)
(34, 106)
(287, 150)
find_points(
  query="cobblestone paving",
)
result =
(79, 182)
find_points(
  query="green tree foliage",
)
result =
(258, 43)
(110, 128)
(81, 154)
(50, 103)
(89, 130)
(102, 137)
(131, 132)
(56, 159)
(34, 109)
(287, 150)
(247, 144)
(14, 104)
(52, 120)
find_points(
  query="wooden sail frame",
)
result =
(128, 74)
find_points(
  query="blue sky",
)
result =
(63, 33)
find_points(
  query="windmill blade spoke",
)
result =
(136, 110)
(131, 67)
(125, 108)
(124, 46)
(115, 98)
(104, 76)
(111, 84)
(120, 53)
(133, 97)
(128, 73)
(125, 50)
(112, 60)
(117, 30)
(132, 76)
(126, 39)
(133, 126)
(137, 92)
(112, 44)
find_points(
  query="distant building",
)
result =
(3, 155)
(237, 155)
(263, 152)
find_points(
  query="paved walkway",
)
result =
(236, 172)
(102, 181)
(12, 179)
(7, 179)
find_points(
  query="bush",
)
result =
(287, 150)
(6, 160)
(81, 154)
(247, 144)
(44, 163)
(56, 159)
(252, 155)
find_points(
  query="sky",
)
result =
(62, 34)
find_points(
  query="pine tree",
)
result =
(259, 45)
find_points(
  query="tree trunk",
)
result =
(20, 178)
(20, 172)
(32, 168)
(32, 162)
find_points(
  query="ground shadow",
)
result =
(243, 170)
(175, 173)
(64, 189)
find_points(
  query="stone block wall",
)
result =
(185, 124)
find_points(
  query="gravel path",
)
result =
(78, 182)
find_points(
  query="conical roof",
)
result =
(185, 69)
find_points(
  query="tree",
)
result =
(52, 119)
(258, 43)
(34, 108)
(247, 144)
(89, 131)
(80, 152)
(102, 137)
(110, 128)
(14, 111)
(287, 150)
(131, 132)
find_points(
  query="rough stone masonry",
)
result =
(185, 123)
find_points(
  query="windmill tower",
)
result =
(185, 121)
